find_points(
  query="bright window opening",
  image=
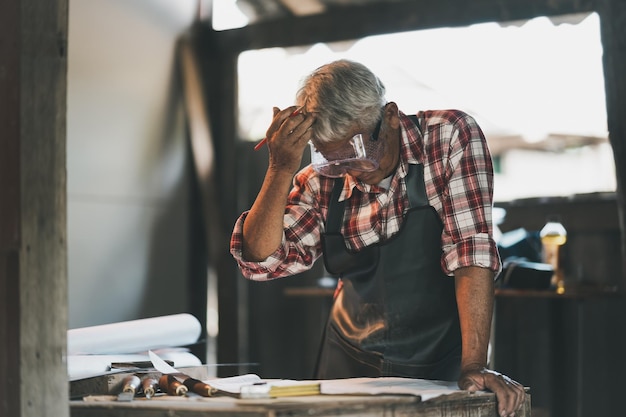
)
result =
(536, 88)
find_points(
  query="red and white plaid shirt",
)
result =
(458, 173)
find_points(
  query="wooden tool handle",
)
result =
(199, 387)
(172, 386)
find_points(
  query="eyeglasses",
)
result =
(361, 153)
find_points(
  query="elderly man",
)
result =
(399, 207)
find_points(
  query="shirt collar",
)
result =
(412, 150)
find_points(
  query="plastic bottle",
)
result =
(553, 235)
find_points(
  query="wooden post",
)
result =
(219, 71)
(9, 208)
(33, 250)
(613, 33)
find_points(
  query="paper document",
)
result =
(233, 384)
(424, 388)
(251, 384)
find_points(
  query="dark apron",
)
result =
(396, 314)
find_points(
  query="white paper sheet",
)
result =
(424, 388)
(233, 384)
(134, 336)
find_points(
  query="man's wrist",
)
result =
(473, 367)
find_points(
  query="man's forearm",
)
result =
(263, 227)
(475, 294)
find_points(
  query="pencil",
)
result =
(260, 144)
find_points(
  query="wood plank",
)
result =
(475, 405)
(389, 17)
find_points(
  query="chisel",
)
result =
(169, 384)
(149, 387)
(129, 388)
(192, 384)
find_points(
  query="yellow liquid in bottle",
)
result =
(556, 240)
(551, 244)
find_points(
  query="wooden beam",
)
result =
(346, 23)
(613, 34)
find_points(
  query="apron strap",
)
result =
(335, 208)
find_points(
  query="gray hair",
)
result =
(342, 93)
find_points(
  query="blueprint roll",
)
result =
(134, 336)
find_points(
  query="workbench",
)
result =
(454, 405)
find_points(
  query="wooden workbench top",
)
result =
(461, 404)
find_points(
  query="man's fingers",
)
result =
(279, 120)
(509, 393)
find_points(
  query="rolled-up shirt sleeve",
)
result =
(300, 245)
(466, 211)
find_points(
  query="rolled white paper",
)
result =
(134, 336)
